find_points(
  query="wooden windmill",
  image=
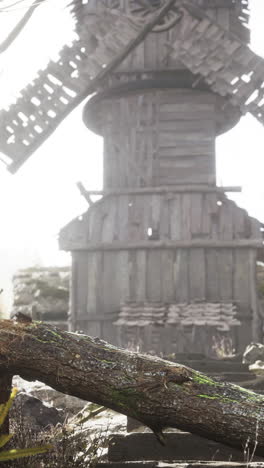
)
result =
(164, 257)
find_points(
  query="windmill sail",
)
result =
(228, 65)
(102, 45)
(43, 104)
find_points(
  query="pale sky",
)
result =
(42, 197)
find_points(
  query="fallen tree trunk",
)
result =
(156, 392)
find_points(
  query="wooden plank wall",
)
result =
(159, 138)
(107, 279)
(141, 278)
(170, 216)
(102, 280)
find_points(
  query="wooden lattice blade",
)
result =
(58, 89)
(102, 45)
(228, 65)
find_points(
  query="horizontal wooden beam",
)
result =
(203, 243)
(165, 189)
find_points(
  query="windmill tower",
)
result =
(164, 257)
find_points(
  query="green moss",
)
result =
(230, 400)
(245, 390)
(56, 334)
(103, 360)
(219, 397)
(256, 398)
(41, 341)
(250, 395)
(216, 397)
(49, 339)
(203, 379)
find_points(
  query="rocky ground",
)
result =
(78, 429)
(43, 294)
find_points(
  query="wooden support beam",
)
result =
(84, 193)
(197, 243)
(165, 189)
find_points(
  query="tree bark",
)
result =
(5, 392)
(156, 392)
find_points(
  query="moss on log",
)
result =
(157, 392)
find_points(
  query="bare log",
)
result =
(156, 392)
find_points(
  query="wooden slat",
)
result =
(108, 222)
(197, 277)
(241, 277)
(186, 216)
(167, 276)
(73, 316)
(175, 217)
(153, 280)
(225, 213)
(236, 60)
(123, 276)
(90, 290)
(181, 276)
(108, 280)
(79, 290)
(226, 280)
(212, 275)
(196, 215)
(140, 276)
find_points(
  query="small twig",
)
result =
(92, 414)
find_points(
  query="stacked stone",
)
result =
(42, 294)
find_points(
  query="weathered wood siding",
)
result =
(171, 216)
(159, 138)
(107, 279)
(103, 279)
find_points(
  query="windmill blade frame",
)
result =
(63, 85)
(221, 59)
